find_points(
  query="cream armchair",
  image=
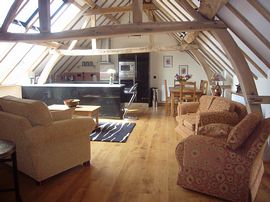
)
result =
(46, 143)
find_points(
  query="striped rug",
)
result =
(112, 132)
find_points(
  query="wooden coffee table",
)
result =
(82, 110)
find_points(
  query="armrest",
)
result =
(215, 130)
(187, 107)
(62, 115)
(13, 126)
(59, 130)
(205, 118)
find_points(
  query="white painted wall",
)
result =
(13, 90)
(179, 58)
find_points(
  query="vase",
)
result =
(217, 90)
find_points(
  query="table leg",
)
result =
(172, 103)
(97, 115)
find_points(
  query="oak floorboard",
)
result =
(144, 169)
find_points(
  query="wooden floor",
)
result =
(142, 169)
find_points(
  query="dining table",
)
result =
(175, 91)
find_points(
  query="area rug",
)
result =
(112, 132)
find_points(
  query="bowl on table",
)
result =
(71, 102)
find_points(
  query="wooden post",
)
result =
(240, 65)
(44, 15)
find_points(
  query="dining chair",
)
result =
(203, 88)
(176, 83)
(168, 101)
(187, 92)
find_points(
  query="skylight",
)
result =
(4, 8)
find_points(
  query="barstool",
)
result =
(8, 154)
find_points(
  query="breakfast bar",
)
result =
(108, 96)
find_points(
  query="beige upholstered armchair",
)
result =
(210, 109)
(225, 161)
(46, 143)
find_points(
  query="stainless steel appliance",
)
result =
(127, 70)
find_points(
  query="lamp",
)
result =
(111, 72)
(216, 89)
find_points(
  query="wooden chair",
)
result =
(176, 83)
(168, 101)
(191, 95)
(203, 88)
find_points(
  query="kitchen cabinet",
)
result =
(142, 74)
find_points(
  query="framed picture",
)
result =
(167, 61)
(183, 69)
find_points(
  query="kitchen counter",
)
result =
(108, 96)
(77, 85)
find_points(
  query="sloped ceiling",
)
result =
(247, 22)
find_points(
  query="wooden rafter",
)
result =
(249, 25)
(116, 30)
(127, 50)
(209, 8)
(11, 15)
(44, 15)
(137, 11)
(255, 65)
(213, 52)
(256, 4)
(94, 5)
(118, 9)
(252, 49)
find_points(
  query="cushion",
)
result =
(221, 104)
(35, 111)
(205, 102)
(215, 130)
(242, 130)
(190, 121)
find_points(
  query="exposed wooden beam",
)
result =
(251, 48)
(137, 11)
(237, 59)
(11, 15)
(209, 8)
(249, 25)
(109, 16)
(190, 37)
(44, 15)
(116, 30)
(93, 24)
(255, 65)
(47, 69)
(200, 58)
(256, 4)
(89, 52)
(109, 10)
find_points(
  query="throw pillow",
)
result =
(221, 104)
(242, 130)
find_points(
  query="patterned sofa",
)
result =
(210, 109)
(46, 143)
(226, 165)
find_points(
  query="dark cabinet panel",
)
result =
(142, 74)
(110, 99)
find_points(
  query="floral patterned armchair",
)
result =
(225, 161)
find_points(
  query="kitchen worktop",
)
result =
(77, 85)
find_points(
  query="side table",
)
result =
(8, 154)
